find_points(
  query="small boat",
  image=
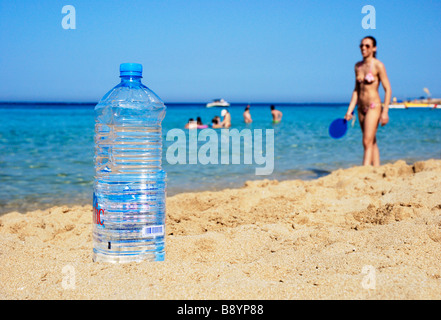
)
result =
(416, 103)
(420, 105)
(407, 105)
(397, 106)
(218, 103)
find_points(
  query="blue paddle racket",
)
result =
(338, 128)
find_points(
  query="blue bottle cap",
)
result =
(130, 69)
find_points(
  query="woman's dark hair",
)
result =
(199, 120)
(374, 43)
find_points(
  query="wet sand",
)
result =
(358, 233)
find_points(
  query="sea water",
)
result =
(46, 151)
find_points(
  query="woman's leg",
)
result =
(376, 154)
(361, 117)
(370, 124)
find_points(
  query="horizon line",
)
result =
(170, 103)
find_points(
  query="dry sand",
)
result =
(359, 233)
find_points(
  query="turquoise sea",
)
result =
(46, 151)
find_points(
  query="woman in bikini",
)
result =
(368, 75)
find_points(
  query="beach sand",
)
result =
(358, 233)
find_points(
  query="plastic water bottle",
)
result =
(130, 188)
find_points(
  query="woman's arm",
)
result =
(353, 103)
(384, 118)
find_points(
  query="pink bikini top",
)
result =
(369, 78)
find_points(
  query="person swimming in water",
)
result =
(200, 125)
(368, 74)
(247, 115)
(191, 124)
(215, 123)
(226, 122)
(277, 115)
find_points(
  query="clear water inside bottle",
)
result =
(130, 185)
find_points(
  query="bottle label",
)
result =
(153, 231)
(98, 213)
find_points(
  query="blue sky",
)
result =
(198, 50)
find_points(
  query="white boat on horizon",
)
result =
(218, 103)
(407, 105)
(429, 102)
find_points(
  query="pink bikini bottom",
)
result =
(371, 106)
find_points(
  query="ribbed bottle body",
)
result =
(130, 185)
